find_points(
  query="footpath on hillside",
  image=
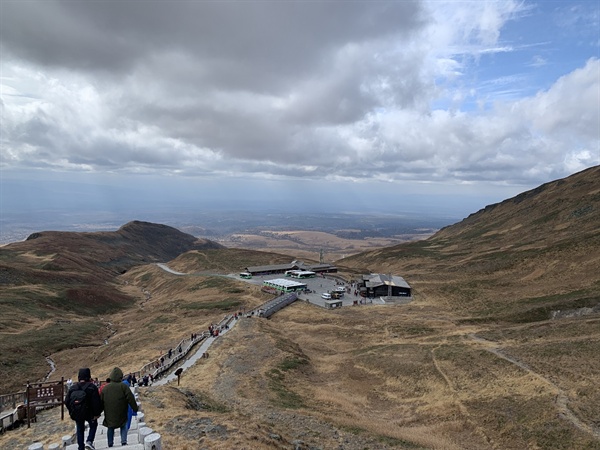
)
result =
(189, 362)
(167, 368)
(139, 435)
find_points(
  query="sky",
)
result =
(338, 105)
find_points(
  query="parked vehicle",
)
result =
(326, 296)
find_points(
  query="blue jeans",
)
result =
(81, 432)
(110, 435)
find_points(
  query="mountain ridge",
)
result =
(580, 191)
(498, 348)
(543, 243)
(136, 242)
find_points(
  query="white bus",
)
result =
(300, 274)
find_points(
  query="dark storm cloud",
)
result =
(285, 37)
(316, 89)
(209, 72)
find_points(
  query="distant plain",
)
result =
(497, 350)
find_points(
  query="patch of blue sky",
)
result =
(548, 41)
(555, 39)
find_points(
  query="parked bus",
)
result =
(283, 285)
(300, 274)
(245, 275)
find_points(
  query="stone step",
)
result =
(131, 438)
(102, 429)
(104, 445)
(100, 440)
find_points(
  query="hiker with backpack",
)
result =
(116, 399)
(84, 405)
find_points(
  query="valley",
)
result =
(480, 359)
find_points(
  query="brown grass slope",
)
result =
(55, 285)
(518, 285)
(230, 260)
(517, 260)
(481, 359)
(110, 252)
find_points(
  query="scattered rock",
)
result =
(196, 429)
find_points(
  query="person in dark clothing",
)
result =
(91, 410)
(116, 398)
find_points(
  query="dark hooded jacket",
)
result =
(116, 397)
(94, 406)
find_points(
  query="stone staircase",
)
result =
(139, 437)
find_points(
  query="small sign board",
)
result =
(178, 372)
(44, 394)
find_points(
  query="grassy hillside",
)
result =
(57, 289)
(225, 260)
(516, 261)
(498, 349)
(519, 282)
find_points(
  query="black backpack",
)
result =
(78, 404)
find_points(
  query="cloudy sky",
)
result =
(439, 103)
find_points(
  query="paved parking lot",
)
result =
(317, 284)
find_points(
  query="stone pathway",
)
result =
(195, 357)
(139, 437)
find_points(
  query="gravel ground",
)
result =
(48, 429)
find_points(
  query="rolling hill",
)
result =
(519, 260)
(55, 285)
(498, 349)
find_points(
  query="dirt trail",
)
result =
(463, 409)
(561, 398)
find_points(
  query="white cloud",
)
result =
(355, 91)
(538, 61)
(570, 107)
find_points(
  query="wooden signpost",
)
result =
(45, 394)
(178, 372)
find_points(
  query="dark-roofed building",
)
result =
(379, 285)
(319, 268)
(269, 270)
(294, 265)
